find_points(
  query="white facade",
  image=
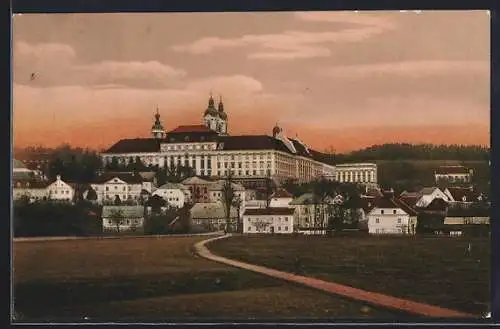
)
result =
(463, 220)
(60, 190)
(108, 190)
(33, 193)
(174, 194)
(388, 221)
(130, 218)
(268, 223)
(428, 195)
(362, 173)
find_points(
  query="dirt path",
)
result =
(335, 288)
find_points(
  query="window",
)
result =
(394, 211)
(107, 188)
(382, 211)
(249, 228)
(399, 220)
(286, 228)
(286, 219)
(377, 220)
(279, 228)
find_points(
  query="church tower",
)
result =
(157, 130)
(215, 118)
(211, 115)
(222, 118)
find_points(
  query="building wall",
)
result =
(279, 224)
(364, 173)
(33, 193)
(466, 220)
(108, 190)
(127, 224)
(208, 161)
(59, 190)
(388, 221)
(174, 197)
(465, 177)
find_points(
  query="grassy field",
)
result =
(155, 279)
(426, 269)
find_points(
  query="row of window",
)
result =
(250, 220)
(125, 222)
(377, 220)
(278, 228)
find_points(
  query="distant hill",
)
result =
(404, 151)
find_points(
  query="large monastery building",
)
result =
(213, 153)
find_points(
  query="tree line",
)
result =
(405, 151)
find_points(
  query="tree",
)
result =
(237, 202)
(91, 195)
(322, 190)
(227, 198)
(269, 189)
(156, 203)
(116, 218)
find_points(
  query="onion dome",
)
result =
(211, 110)
(157, 125)
(222, 114)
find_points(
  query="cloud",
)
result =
(368, 19)
(294, 44)
(407, 69)
(234, 84)
(56, 64)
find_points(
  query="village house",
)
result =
(124, 186)
(427, 194)
(176, 195)
(198, 189)
(457, 215)
(215, 191)
(461, 195)
(212, 217)
(310, 217)
(56, 190)
(122, 218)
(269, 220)
(453, 174)
(391, 216)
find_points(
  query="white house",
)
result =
(215, 191)
(122, 218)
(59, 190)
(453, 174)
(270, 220)
(174, 194)
(126, 186)
(281, 198)
(33, 190)
(427, 194)
(391, 216)
(212, 216)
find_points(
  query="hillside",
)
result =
(416, 152)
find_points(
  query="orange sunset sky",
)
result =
(345, 80)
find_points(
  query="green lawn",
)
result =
(431, 269)
(155, 279)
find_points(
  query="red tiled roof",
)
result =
(389, 202)
(190, 129)
(137, 145)
(410, 200)
(269, 211)
(444, 170)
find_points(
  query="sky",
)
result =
(337, 80)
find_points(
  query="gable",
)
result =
(115, 180)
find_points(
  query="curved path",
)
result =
(334, 288)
